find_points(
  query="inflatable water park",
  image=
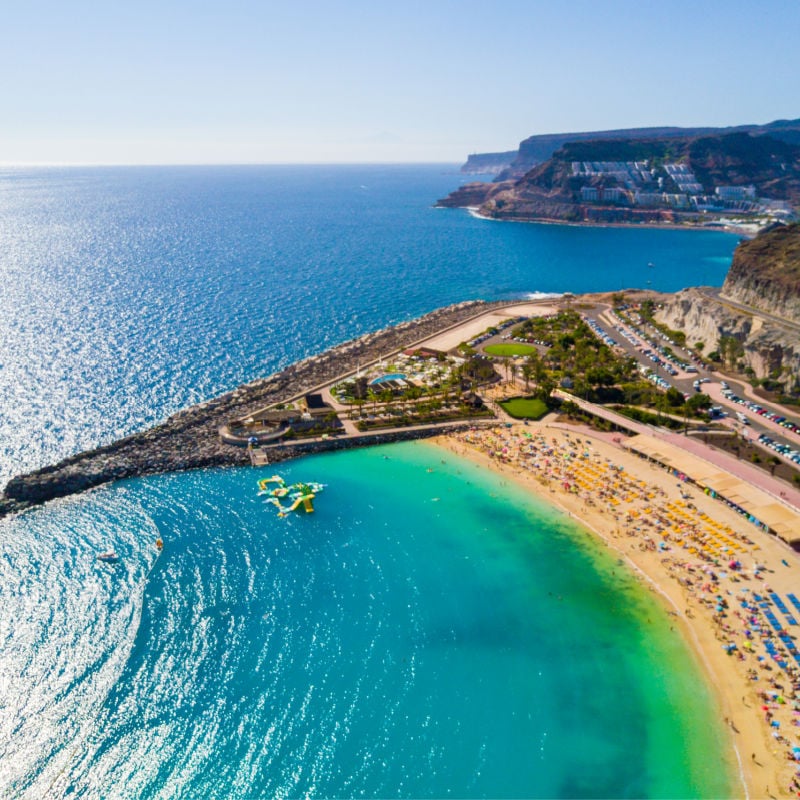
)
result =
(299, 496)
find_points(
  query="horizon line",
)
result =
(11, 164)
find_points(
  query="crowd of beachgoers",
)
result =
(724, 568)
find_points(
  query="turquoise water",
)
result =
(393, 377)
(427, 632)
(391, 644)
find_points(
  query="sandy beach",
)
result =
(713, 569)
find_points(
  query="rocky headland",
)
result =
(539, 148)
(474, 195)
(672, 178)
(190, 439)
(481, 163)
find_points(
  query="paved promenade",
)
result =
(741, 469)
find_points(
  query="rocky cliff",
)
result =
(473, 195)
(536, 149)
(765, 273)
(553, 191)
(190, 440)
(491, 163)
(768, 348)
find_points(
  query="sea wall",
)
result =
(286, 452)
(190, 440)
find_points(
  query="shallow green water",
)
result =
(427, 632)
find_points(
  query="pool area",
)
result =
(395, 376)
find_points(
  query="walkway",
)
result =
(773, 486)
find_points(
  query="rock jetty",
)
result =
(190, 439)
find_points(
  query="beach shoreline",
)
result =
(745, 230)
(756, 756)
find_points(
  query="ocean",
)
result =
(423, 634)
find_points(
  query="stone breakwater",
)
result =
(190, 440)
(286, 452)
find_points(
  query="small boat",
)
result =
(110, 557)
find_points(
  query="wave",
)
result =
(517, 296)
(540, 295)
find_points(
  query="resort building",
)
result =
(736, 192)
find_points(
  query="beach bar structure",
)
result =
(760, 507)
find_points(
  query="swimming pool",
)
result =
(395, 376)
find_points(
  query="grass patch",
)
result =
(525, 407)
(509, 349)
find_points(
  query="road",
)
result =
(746, 472)
(715, 294)
(638, 341)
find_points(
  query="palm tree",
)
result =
(386, 397)
(373, 398)
(527, 373)
(512, 368)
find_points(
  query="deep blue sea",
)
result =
(423, 634)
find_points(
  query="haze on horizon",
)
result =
(260, 82)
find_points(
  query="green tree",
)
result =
(730, 349)
(600, 376)
(698, 402)
(527, 372)
(674, 397)
(773, 462)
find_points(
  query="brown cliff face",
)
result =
(768, 348)
(540, 147)
(765, 273)
(739, 159)
(764, 276)
(488, 162)
(472, 195)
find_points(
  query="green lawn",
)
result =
(525, 407)
(509, 349)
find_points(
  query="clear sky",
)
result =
(244, 81)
